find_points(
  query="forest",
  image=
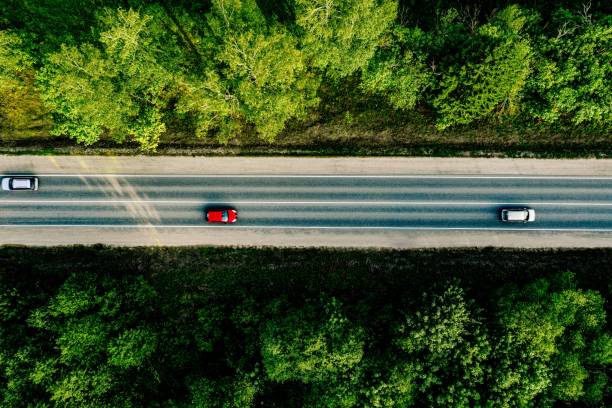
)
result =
(222, 327)
(132, 71)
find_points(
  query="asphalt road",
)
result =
(312, 202)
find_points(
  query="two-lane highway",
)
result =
(312, 201)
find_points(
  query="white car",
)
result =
(19, 183)
(518, 215)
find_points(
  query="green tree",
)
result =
(132, 348)
(343, 392)
(18, 347)
(446, 349)
(572, 83)
(254, 74)
(490, 72)
(311, 345)
(398, 70)
(103, 349)
(20, 104)
(47, 24)
(236, 392)
(391, 387)
(208, 330)
(341, 36)
(552, 345)
(120, 85)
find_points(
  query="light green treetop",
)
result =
(257, 74)
(119, 86)
(340, 36)
(498, 62)
(309, 347)
(572, 82)
(447, 350)
(551, 345)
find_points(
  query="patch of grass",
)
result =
(347, 274)
(349, 123)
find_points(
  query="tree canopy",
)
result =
(255, 74)
(118, 331)
(229, 69)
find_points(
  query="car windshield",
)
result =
(224, 217)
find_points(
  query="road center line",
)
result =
(369, 203)
(297, 227)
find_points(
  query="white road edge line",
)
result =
(230, 202)
(406, 176)
(230, 227)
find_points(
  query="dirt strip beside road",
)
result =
(301, 238)
(303, 165)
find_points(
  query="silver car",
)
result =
(518, 215)
(16, 183)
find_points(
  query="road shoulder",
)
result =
(303, 165)
(54, 236)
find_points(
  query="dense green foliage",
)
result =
(250, 71)
(119, 86)
(340, 36)
(20, 103)
(494, 64)
(574, 72)
(220, 69)
(244, 328)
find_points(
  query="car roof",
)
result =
(217, 214)
(516, 214)
(22, 183)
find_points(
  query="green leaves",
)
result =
(233, 69)
(118, 87)
(98, 333)
(303, 347)
(83, 341)
(446, 350)
(493, 75)
(477, 89)
(549, 344)
(132, 348)
(396, 71)
(315, 345)
(84, 388)
(178, 339)
(259, 76)
(340, 36)
(20, 105)
(13, 59)
(572, 82)
(236, 392)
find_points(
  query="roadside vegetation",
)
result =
(214, 327)
(386, 76)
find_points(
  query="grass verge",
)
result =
(342, 133)
(344, 273)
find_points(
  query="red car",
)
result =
(221, 215)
